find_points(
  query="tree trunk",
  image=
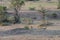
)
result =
(17, 17)
(43, 17)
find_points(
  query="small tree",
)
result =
(2, 13)
(6, 14)
(44, 20)
(17, 4)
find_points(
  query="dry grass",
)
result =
(39, 4)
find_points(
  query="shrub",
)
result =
(5, 24)
(54, 15)
(30, 21)
(11, 19)
(34, 18)
(31, 8)
(2, 13)
(26, 27)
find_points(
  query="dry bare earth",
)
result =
(30, 37)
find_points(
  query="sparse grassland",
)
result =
(38, 5)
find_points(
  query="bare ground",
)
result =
(30, 37)
(55, 26)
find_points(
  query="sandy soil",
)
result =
(30, 37)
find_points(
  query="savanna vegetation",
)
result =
(31, 5)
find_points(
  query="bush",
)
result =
(11, 19)
(2, 13)
(26, 27)
(34, 18)
(31, 8)
(5, 24)
(54, 15)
